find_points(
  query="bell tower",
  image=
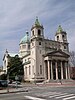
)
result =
(37, 48)
(37, 30)
(61, 36)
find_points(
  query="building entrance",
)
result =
(59, 72)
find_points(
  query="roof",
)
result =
(25, 39)
(12, 54)
(57, 52)
(37, 23)
(59, 29)
(9, 54)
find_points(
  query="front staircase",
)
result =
(60, 82)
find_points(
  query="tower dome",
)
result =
(25, 39)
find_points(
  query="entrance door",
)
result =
(59, 72)
(54, 71)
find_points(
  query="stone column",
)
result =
(56, 71)
(66, 70)
(51, 71)
(48, 70)
(61, 70)
(45, 73)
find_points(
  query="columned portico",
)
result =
(59, 73)
(56, 67)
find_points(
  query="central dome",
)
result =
(25, 39)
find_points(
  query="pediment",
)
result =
(58, 53)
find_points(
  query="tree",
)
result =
(15, 66)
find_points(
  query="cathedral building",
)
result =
(44, 59)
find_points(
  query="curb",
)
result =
(13, 91)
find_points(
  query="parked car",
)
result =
(16, 82)
(3, 83)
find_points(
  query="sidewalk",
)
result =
(24, 86)
(13, 90)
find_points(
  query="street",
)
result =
(42, 93)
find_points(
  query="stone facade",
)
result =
(44, 59)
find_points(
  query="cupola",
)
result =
(60, 35)
(37, 30)
(25, 39)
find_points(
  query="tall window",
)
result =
(28, 46)
(62, 36)
(23, 46)
(40, 51)
(64, 47)
(33, 69)
(29, 70)
(26, 70)
(39, 32)
(57, 38)
(25, 60)
(32, 32)
(39, 43)
(40, 69)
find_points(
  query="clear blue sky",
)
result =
(17, 17)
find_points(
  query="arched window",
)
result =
(23, 46)
(39, 32)
(39, 43)
(57, 38)
(63, 36)
(64, 47)
(32, 32)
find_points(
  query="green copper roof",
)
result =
(59, 29)
(25, 38)
(37, 22)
